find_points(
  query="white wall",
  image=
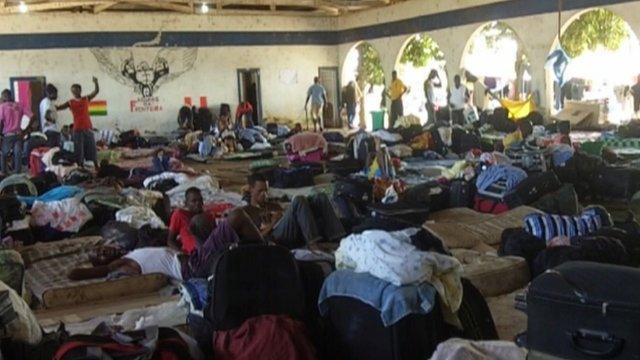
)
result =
(537, 33)
(214, 72)
(213, 75)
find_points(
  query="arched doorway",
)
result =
(363, 66)
(596, 61)
(418, 58)
(495, 56)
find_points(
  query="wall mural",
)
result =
(145, 69)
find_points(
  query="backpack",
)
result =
(120, 234)
(149, 343)
(77, 176)
(561, 202)
(252, 280)
(534, 187)
(357, 189)
(155, 141)
(63, 157)
(463, 141)
(292, 178)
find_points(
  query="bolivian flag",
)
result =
(98, 108)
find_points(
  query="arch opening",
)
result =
(363, 67)
(496, 56)
(595, 62)
(419, 56)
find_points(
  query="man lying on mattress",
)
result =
(112, 262)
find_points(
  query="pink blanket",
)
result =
(306, 141)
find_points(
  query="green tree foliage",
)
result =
(493, 33)
(420, 50)
(594, 28)
(369, 65)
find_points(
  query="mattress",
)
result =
(467, 229)
(493, 275)
(48, 265)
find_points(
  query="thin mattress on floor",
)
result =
(48, 265)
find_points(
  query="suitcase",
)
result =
(461, 193)
(356, 332)
(312, 274)
(329, 118)
(583, 310)
(253, 280)
(489, 205)
(533, 188)
(528, 158)
(616, 182)
(410, 213)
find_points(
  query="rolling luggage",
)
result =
(584, 310)
(253, 280)
(356, 332)
(461, 193)
(616, 182)
(533, 188)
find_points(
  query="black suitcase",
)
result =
(356, 332)
(584, 310)
(533, 188)
(616, 182)
(253, 280)
(461, 193)
(414, 214)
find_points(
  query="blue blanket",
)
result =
(393, 302)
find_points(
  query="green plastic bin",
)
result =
(377, 120)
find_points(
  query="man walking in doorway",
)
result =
(318, 97)
(396, 90)
(351, 101)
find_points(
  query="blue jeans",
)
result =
(351, 114)
(9, 143)
(85, 146)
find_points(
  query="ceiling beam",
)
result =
(186, 9)
(102, 7)
(46, 6)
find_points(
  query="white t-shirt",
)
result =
(161, 260)
(47, 104)
(458, 97)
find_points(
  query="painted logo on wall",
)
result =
(145, 69)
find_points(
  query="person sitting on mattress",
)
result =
(305, 222)
(114, 262)
(180, 236)
(213, 237)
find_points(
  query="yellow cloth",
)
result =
(518, 109)
(511, 138)
(397, 89)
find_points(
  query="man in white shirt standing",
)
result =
(49, 116)
(458, 97)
